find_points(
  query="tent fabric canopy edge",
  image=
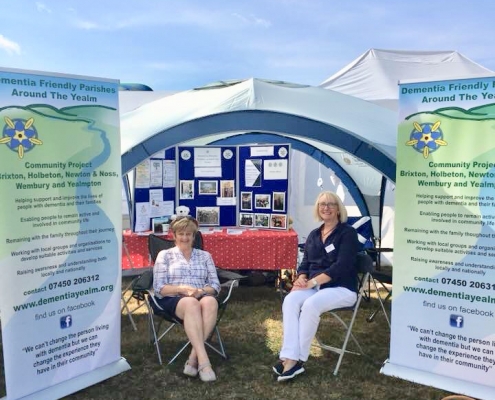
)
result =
(260, 121)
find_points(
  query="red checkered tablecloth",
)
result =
(254, 250)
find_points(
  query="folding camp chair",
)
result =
(158, 243)
(384, 279)
(155, 245)
(364, 267)
(143, 286)
(198, 241)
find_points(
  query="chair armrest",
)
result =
(151, 297)
(233, 284)
(382, 277)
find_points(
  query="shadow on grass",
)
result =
(252, 331)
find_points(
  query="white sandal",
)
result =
(206, 376)
(190, 369)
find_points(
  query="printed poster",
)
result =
(252, 172)
(143, 174)
(156, 173)
(443, 323)
(60, 182)
(169, 174)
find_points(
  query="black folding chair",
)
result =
(364, 266)
(385, 280)
(198, 241)
(158, 243)
(143, 288)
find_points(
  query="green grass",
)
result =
(251, 330)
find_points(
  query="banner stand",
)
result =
(428, 378)
(80, 382)
(60, 235)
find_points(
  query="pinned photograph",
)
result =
(246, 219)
(261, 220)
(186, 190)
(161, 225)
(262, 201)
(227, 189)
(278, 201)
(208, 187)
(278, 221)
(246, 201)
(208, 215)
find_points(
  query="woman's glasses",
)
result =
(329, 205)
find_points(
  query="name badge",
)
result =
(330, 248)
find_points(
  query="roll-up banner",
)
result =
(60, 235)
(443, 325)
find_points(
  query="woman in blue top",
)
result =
(326, 280)
(185, 282)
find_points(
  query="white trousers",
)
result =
(301, 312)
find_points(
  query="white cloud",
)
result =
(89, 25)
(9, 46)
(199, 17)
(263, 22)
(253, 20)
(42, 7)
(112, 24)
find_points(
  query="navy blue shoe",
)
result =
(292, 373)
(278, 368)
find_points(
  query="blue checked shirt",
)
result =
(172, 268)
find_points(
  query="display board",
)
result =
(155, 186)
(207, 183)
(245, 186)
(264, 186)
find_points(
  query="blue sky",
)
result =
(180, 44)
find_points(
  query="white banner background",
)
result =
(444, 278)
(61, 232)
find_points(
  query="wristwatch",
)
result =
(314, 282)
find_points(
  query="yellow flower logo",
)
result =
(20, 135)
(426, 138)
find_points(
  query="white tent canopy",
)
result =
(374, 75)
(358, 138)
(344, 112)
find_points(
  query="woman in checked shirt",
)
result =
(186, 283)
